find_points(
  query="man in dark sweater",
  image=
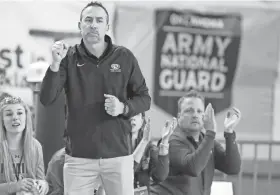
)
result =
(104, 87)
(194, 153)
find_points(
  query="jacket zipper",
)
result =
(99, 61)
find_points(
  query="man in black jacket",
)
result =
(194, 154)
(104, 87)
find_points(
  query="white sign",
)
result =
(221, 188)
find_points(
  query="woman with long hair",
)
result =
(151, 160)
(21, 155)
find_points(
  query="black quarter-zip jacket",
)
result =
(92, 132)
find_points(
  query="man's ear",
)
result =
(79, 25)
(178, 116)
(108, 27)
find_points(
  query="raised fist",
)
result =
(59, 51)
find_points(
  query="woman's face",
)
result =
(136, 122)
(14, 118)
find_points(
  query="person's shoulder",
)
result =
(37, 146)
(59, 153)
(58, 156)
(56, 163)
(178, 137)
(36, 143)
(123, 50)
(72, 50)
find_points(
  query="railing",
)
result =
(255, 179)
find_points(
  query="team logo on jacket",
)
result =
(115, 68)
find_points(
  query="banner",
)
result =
(254, 84)
(195, 51)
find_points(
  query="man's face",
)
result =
(191, 115)
(93, 24)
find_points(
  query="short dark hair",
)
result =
(95, 4)
(190, 94)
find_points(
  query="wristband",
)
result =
(165, 146)
(125, 109)
(163, 149)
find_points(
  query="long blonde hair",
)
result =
(28, 142)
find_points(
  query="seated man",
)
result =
(55, 174)
(194, 153)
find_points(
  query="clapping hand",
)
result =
(147, 133)
(232, 119)
(168, 129)
(209, 119)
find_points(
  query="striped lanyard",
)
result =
(16, 171)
